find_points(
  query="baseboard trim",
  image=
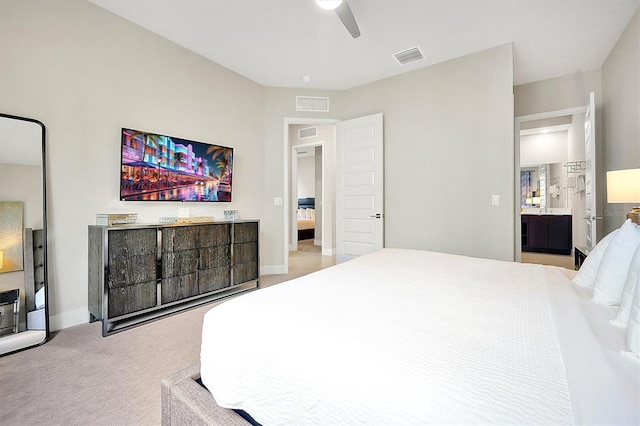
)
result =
(68, 319)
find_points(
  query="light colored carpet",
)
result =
(81, 378)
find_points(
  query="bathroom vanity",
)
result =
(547, 231)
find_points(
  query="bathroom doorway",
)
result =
(550, 167)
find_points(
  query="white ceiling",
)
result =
(277, 42)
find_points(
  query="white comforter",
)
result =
(400, 337)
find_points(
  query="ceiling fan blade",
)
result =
(346, 16)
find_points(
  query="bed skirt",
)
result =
(186, 401)
(306, 234)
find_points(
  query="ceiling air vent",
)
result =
(311, 103)
(408, 56)
(308, 132)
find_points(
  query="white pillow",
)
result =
(633, 330)
(614, 267)
(586, 276)
(622, 317)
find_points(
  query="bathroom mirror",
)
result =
(533, 186)
(24, 310)
(549, 185)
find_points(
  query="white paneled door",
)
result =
(359, 187)
(590, 172)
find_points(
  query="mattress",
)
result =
(415, 337)
(306, 224)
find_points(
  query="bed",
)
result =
(306, 218)
(412, 337)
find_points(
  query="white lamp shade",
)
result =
(623, 186)
(329, 4)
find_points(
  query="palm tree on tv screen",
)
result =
(178, 158)
(222, 158)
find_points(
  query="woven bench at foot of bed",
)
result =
(185, 401)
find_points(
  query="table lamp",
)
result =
(623, 186)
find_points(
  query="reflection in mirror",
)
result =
(24, 319)
(533, 186)
(548, 186)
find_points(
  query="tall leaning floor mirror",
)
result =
(24, 319)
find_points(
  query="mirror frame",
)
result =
(44, 232)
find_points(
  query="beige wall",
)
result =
(543, 149)
(556, 94)
(621, 112)
(85, 73)
(307, 176)
(22, 182)
(279, 110)
(448, 134)
(441, 124)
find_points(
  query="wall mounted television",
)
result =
(157, 167)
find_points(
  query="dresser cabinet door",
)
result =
(179, 263)
(215, 257)
(538, 232)
(560, 234)
(547, 234)
(131, 280)
(245, 252)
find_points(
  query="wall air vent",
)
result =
(408, 56)
(308, 132)
(311, 103)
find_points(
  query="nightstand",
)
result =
(580, 253)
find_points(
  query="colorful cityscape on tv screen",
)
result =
(163, 168)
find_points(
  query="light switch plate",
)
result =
(495, 200)
(277, 201)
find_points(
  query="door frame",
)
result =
(293, 242)
(286, 151)
(517, 245)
